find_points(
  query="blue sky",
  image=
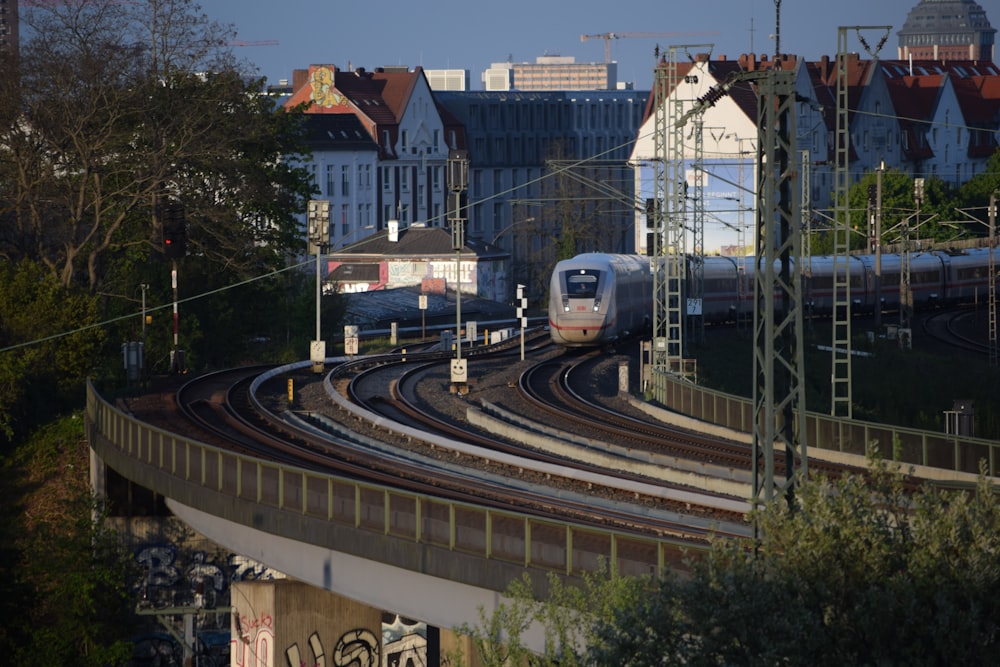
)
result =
(471, 34)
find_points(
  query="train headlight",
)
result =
(597, 305)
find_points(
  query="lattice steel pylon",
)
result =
(779, 391)
(992, 288)
(669, 251)
(696, 282)
(840, 376)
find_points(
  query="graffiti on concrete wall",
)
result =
(404, 641)
(175, 576)
(253, 640)
(355, 648)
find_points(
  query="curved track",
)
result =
(957, 328)
(222, 407)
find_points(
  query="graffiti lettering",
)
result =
(257, 622)
(159, 563)
(357, 648)
(295, 659)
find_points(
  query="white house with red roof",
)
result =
(925, 118)
(404, 178)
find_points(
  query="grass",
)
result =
(911, 388)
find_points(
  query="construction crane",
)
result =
(608, 36)
(262, 42)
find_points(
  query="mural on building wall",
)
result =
(323, 91)
(728, 201)
(404, 642)
(446, 269)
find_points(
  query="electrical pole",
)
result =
(992, 289)
(877, 243)
(840, 375)
(779, 390)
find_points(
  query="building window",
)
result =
(331, 184)
(387, 179)
(404, 179)
(477, 182)
(345, 180)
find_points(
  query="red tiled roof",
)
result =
(377, 98)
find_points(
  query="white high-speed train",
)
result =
(597, 299)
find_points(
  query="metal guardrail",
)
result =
(210, 479)
(905, 445)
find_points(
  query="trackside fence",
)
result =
(207, 478)
(905, 445)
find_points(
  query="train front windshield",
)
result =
(581, 283)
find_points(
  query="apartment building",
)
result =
(947, 30)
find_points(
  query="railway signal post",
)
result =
(522, 314)
(318, 228)
(458, 184)
(174, 248)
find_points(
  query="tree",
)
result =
(581, 208)
(117, 107)
(861, 571)
(569, 614)
(898, 207)
(65, 583)
(42, 372)
(112, 109)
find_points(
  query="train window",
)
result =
(581, 284)
(971, 274)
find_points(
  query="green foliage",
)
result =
(63, 591)
(976, 192)
(39, 376)
(943, 214)
(861, 571)
(120, 105)
(568, 616)
(890, 387)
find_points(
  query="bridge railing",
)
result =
(215, 480)
(906, 445)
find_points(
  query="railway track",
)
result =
(224, 407)
(957, 329)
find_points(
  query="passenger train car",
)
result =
(597, 299)
(620, 311)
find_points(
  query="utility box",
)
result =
(960, 420)
(133, 353)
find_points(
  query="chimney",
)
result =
(300, 77)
